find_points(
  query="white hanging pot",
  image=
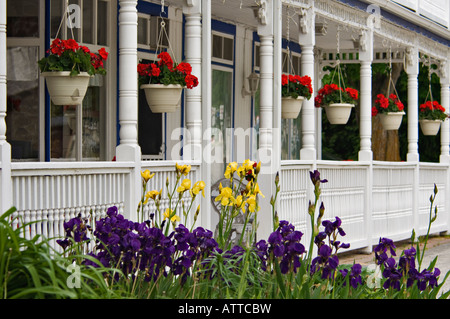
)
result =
(339, 113)
(391, 120)
(290, 107)
(65, 89)
(430, 127)
(163, 98)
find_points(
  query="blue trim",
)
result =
(223, 27)
(47, 121)
(151, 8)
(401, 21)
(293, 46)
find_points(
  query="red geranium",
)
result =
(166, 72)
(295, 85)
(68, 55)
(385, 105)
(432, 111)
(331, 93)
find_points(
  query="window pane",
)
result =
(22, 120)
(221, 115)
(93, 131)
(228, 49)
(142, 31)
(102, 23)
(63, 131)
(23, 18)
(150, 126)
(88, 17)
(217, 46)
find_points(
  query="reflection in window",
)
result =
(221, 115)
(23, 18)
(22, 120)
(64, 130)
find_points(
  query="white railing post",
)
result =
(365, 58)
(192, 150)
(307, 41)
(128, 149)
(412, 70)
(5, 147)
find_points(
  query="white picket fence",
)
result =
(373, 200)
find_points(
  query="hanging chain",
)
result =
(65, 17)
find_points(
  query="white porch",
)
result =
(372, 198)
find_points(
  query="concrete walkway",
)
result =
(436, 246)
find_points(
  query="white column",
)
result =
(206, 210)
(366, 57)
(445, 102)
(307, 42)
(128, 149)
(267, 140)
(412, 70)
(5, 147)
(193, 106)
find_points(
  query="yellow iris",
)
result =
(252, 204)
(185, 185)
(182, 169)
(146, 175)
(197, 188)
(239, 203)
(231, 168)
(168, 213)
(153, 194)
(226, 196)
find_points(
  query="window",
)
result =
(151, 126)
(150, 32)
(222, 48)
(221, 119)
(79, 133)
(25, 45)
(291, 128)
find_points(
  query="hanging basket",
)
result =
(290, 107)
(430, 127)
(65, 89)
(163, 98)
(339, 113)
(391, 120)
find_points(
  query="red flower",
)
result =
(103, 53)
(191, 81)
(284, 79)
(70, 44)
(184, 68)
(142, 69)
(352, 92)
(165, 59)
(374, 111)
(155, 71)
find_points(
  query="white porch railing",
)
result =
(49, 194)
(165, 171)
(373, 200)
